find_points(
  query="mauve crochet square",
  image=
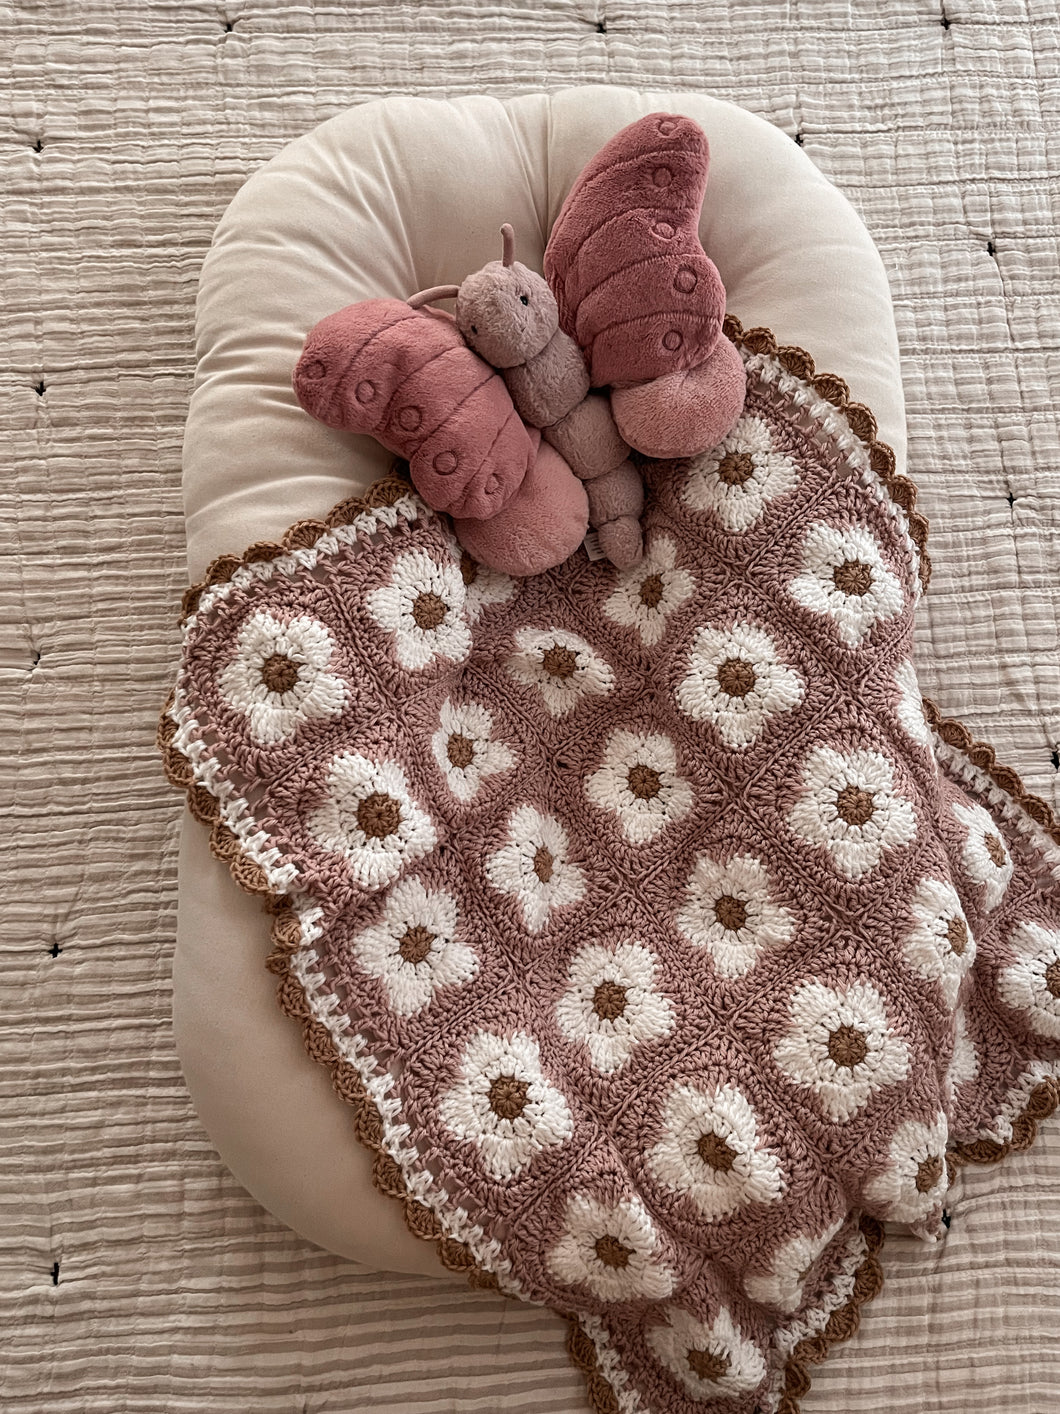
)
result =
(665, 941)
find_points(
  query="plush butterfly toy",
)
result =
(517, 416)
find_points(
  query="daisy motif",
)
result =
(849, 806)
(639, 785)
(738, 479)
(413, 949)
(465, 750)
(646, 595)
(839, 1046)
(279, 676)
(611, 1250)
(729, 909)
(482, 587)
(912, 1186)
(369, 817)
(712, 1361)
(423, 607)
(1031, 984)
(940, 945)
(562, 666)
(844, 576)
(737, 681)
(985, 858)
(710, 1151)
(611, 1004)
(910, 706)
(964, 1063)
(782, 1285)
(534, 869)
(504, 1105)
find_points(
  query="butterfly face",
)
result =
(507, 313)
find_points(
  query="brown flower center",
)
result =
(559, 662)
(996, 851)
(429, 611)
(278, 673)
(468, 568)
(651, 590)
(612, 1252)
(644, 782)
(730, 912)
(736, 468)
(736, 677)
(507, 1097)
(928, 1173)
(609, 1000)
(714, 1151)
(854, 805)
(957, 934)
(1052, 978)
(853, 577)
(707, 1365)
(460, 751)
(544, 863)
(416, 944)
(379, 815)
(847, 1046)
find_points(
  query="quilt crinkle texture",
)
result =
(136, 1275)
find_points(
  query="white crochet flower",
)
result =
(369, 817)
(737, 681)
(844, 576)
(782, 1285)
(838, 1045)
(712, 1361)
(910, 705)
(940, 945)
(912, 1186)
(611, 1004)
(738, 479)
(850, 806)
(482, 587)
(534, 869)
(413, 949)
(562, 666)
(648, 593)
(729, 910)
(465, 750)
(639, 784)
(711, 1153)
(964, 1063)
(504, 1105)
(985, 858)
(279, 676)
(611, 1250)
(423, 607)
(1031, 984)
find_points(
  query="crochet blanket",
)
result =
(663, 940)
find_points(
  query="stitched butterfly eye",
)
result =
(524, 299)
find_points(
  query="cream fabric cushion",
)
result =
(387, 199)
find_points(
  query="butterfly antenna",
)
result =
(508, 239)
(435, 292)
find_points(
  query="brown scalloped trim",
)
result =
(834, 390)
(303, 535)
(456, 1256)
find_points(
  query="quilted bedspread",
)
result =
(136, 1275)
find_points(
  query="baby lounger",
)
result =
(396, 196)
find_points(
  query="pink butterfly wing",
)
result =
(405, 377)
(633, 284)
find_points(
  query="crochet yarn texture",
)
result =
(663, 940)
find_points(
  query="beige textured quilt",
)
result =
(135, 1274)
